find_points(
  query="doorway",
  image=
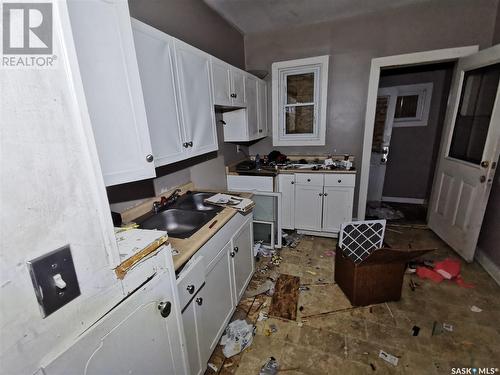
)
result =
(410, 112)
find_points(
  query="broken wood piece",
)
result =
(285, 298)
(127, 264)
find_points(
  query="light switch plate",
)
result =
(48, 270)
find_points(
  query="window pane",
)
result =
(474, 113)
(406, 106)
(300, 88)
(299, 119)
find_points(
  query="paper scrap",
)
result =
(393, 360)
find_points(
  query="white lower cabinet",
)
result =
(228, 269)
(141, 335)
(286, 187)
(316, 202)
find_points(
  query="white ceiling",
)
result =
(251, 16)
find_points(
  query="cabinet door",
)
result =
(191, 320)
(308, 205)
(238, 87)
(251, 99)
(221, 80)
(155, 58)
(337, 207)
(243, 259)
(134, 338)
(195, 99)
(262, 108)
(287, 189)
(218, 303)
(110, 77)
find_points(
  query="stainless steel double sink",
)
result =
(184, 217)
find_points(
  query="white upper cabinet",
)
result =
(195, 99)
(108, 66)
(252, 116)
(238, 87)
(156, 67)
(221, 78)
(262, 108)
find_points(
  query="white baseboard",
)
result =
(490, 267)
(318, 234)
(404, 200)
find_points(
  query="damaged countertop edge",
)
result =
(185, 248)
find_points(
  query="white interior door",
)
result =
(468, 154)
(386, 106)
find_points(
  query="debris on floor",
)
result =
(213, 367)
(261, 250)
(384, 211)
(448, 269)
(237, 337)
(329, 253)
(267, 287)
(291, 239)
(393, 360)
(271, 367)
(438, 328)
(476, 309)
(285, 298)
(415, 330)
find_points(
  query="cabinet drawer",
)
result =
(250, 183)
(190, 280)
(313, 179)
(340, 179)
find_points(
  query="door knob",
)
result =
(190, 289)
(165, 308)
(149, 158)
(485, 164)
(199, 301)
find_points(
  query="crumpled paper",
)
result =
(237, 337)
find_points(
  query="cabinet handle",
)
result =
(232, 253)
(233, 95)
(236, 249)
(190, 289)
(149, 158)
(308, 180)
(320, 194)
(185, 145)
(260, 130)
(339, 181)
(292, 182)
(165, 308)
(325, 194)
(199, 301)
(190, 144)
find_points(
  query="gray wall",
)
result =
(352, 43)
(413, 150)
(195, 23)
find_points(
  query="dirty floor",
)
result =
(329, 336)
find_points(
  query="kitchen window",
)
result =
(299, 101)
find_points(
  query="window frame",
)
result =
(424, 93)
(280, 71)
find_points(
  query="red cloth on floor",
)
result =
(427, 273)
(448, 268)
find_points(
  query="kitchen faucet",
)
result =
(158, 206)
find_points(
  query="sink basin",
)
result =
(178, 223)
(195, 201)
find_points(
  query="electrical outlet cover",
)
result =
(54, 279)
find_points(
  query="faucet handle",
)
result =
(163, 200)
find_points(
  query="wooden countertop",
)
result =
(231, 170)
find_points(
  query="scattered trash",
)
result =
(393, 360)
(329, 253)
(384, 211)
(301, 308)
(476, 309)
(237, 337)
(447, 327)
(413, 285)
(175, 252)
(262, 316)
(303, 288)
(213, 367)
(415, 330)
(266, 251)
(266, 287)
(273, 328)
(372, 366)
(271, 367)
(448, 269)
(291, 240)
(300, 324)
(311, 272)
(276, 260)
